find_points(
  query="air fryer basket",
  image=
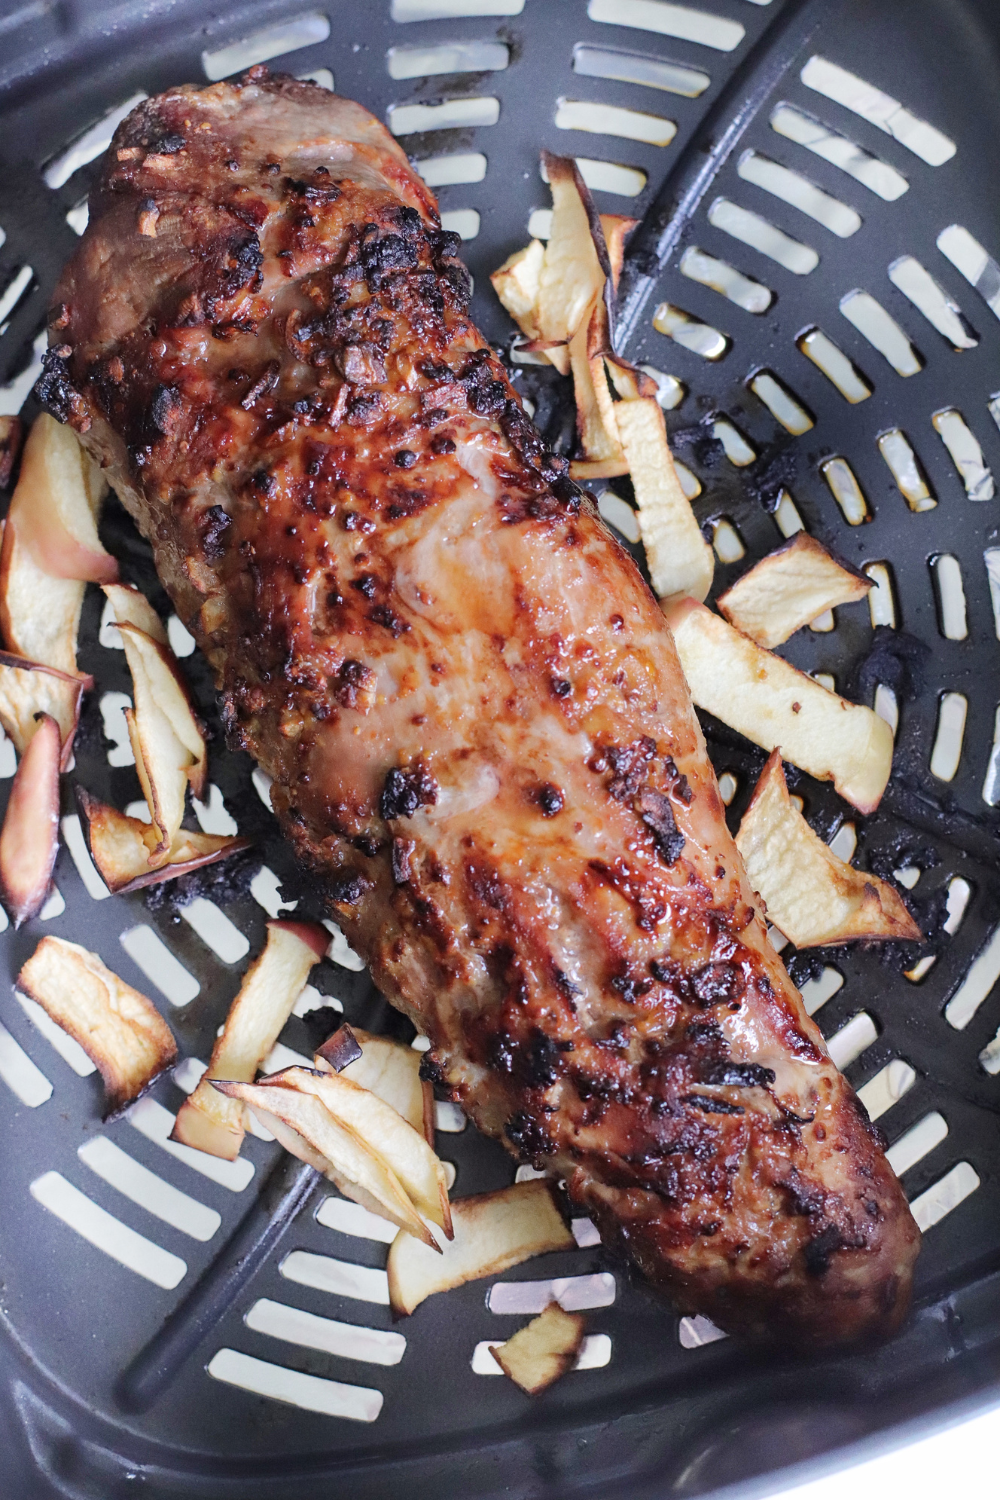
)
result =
(124, 1378)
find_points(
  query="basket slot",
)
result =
(15, 292)
(451, 10)
(881, 601)
(373, 1346)
(350, 1218)
(595, 1354)
(806, 130)
(619, 514)
(798, 192)
(841, 372)
(611, 119)
(846, 490)
(462, 221)
(847, 1044)
(946, 571)
(155, 1122)
(643, 69)
(930, 298)
(879, 109)
(727, 541)
(945, 1196)
(708, 271)
(882, 331)
(216, 931)
(213, 816)
(919, 1141)
(887, 1087)
(106, 1233)
(760, 234)
(907, 470)
(72, 832)
(262, 46)
(784, 407)
(25, 1080)
(965, 453)
(989, 1058)
(136, 1182)
(449, 171)
(976, 264)
(16, 391)
(678, 21)
(695, 1333)
(338, 1277)
(453, 114)
(447, 57)
(693, 335)
(948, 741)
(149, 952)
(265, 888)
(976, 986)
(331, 1398)
(573, 1293)
(88, 146)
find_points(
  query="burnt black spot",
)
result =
(380, 256)
(55, 391)
(442, 443)
(347, 887)
(404, 459)
(629, 762)
(213, 535)
(820, 1248)
(657, 814)
(354, 684)
(402, 853)
(711, 1106)
(405, 791)
(561, 687)
(383, 615)
(164, 409)
(363, 408)
(679, 784)
(629, 988)
(431, 1070)
(737, 1075)
(528, 1137)
(168, 145)
(550, 800)
(718, 984)
(367, 584)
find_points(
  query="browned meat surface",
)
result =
(478, 730)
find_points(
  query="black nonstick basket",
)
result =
(817, 281)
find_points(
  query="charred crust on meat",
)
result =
(736, 1075)
(820, 1249)
(712, 1106)
(354, 685)
(383, 615)
(347, 888)
(657, 814)
(213, 533)
(405, 791)
(403, 851)
(720, 983)
(529, 1138)
(56, 392)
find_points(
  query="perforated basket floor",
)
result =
(816, 273)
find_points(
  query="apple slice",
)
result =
(28, 689)
(812, 896)
(596, 422)
(679, 558)
(576, 264)
(120, 847)
(392, 1071)
(11, 438)
(55, 505)
(29, 839)
(617, 228)
(333, 1148)
(160, 688)
(131, 607)
(788, 588)
(543, 1350)
(773, 704)
(493, 1231)
(516, 283)
(118, 1028)
(339, 1050)
(208, 1120)
(39, 614)
(385, 1132)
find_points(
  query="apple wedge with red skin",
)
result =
(29, 839)
(27, 689)
(120, 847)
(55, 505)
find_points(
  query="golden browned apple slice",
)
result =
(543, 1350)
(29, 839)
(28, 689)
(680, 560)
(617, 229)
(385, 1132)
(812, 896)
(55, 504)
(391, 1070)
(119, 1029)
(788, 588)
(517, 282)
(160, 691)
(131, 607)
(773, 704)
(575, 266)
(11, 438)
(493, 1231)
(596, 423)
(208, 1120)
(120, 847)
(347, 1159)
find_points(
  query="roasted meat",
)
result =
(479, 734)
